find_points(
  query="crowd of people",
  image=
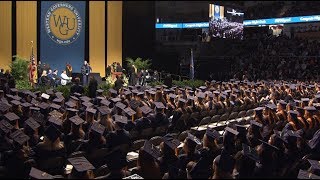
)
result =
(223, 28)
(51, 136)
(279, 58)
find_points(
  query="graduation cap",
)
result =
(127, 93)
(15, 102)
(193, 139)
(50, 92)
(250, 152)
(35, 102)
(268, 146)
(229, 133)
(16, 98)
(58, 93)
(4, 107)
(120, 119)
(115, 100)
(52, 133)
(76, 120)
(5, 126)
(133, 176)
(191, 97)
(152, 92)
(182, 100)
(294, 114)
(145, 109)
(159, 105)
(315, 164)
(140, 93)
(310, 108)
(120, 105)
(14, 90)
(134, 104)
(100, 90)
(98, 128)
(91, 110)
(44, 105)
(72, 110)
(104, 110)
(55, 114)
(152, 150)
(135, 91)
(33, 124)
(87, 104)
(170, 141)
(201, 95)
(112, 91)
(70, 104)
(77, 94)
(129, 111)
(307, 175)
(282, 102)
(241, 129)
(19, 137)
(259, 109)
(38, 174)
(85, 98)
(255, 123)
(58, 100)
(55, 121)
(45, 96)
(271, 106)
(81, 164)
(105, 102)
(100, 97)
(11, 116)
(314, 143)
(212, 133)
(26, 105)
(55, 106)
(305, 99)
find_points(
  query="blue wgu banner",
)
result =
(62, 34)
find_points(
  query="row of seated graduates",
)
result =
(43, 107)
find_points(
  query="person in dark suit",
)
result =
(168, 81)
(76, 87)
(85, 71)
(93, 86)
(108, 70)
(118, 83)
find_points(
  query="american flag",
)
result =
(32, 55)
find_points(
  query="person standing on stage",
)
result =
(85, 71)
(32, 72)
(69, 69)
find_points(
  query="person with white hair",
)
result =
(65, 79)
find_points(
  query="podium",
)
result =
(114, 74)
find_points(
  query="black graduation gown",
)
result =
(166, 161)
(117, 138)
(142, 123)
(184, 159)
(159, 119)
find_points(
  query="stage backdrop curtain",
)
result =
(62, 37)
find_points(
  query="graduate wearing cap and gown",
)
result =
(190, 152)
(117, 164)
(51, 147)
(96, 140)
(82, 168)
(17, 161)
(147, 165)
(89, 118)
(159, 118)
(105, 118)
(254, 133)
(168, 149)
(119, 136)
(208, 153)
(31, 129)
(223, 166)
(312, 122)
(76, 133)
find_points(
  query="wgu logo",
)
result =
(63, 23)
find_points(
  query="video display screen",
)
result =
(225, 22)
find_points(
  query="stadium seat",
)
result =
(224, 117)
(52, 165)
(249, 112)
(220, 111)
(242, 114)
(228, 109)
(161, 130)
(195, 116)
(137, 144)
(215, 119)
(204, 114)
(77, 154)
(205, 121)
(134, 134)
(235, 109)
(233, 115)
(98, 157)
(156, 140)
(212, 112)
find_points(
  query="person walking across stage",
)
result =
(85, 71)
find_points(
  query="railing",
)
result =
(177, 77)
